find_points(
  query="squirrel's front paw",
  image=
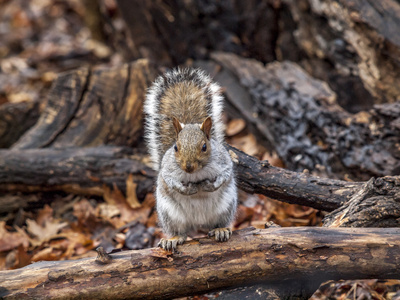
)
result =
(172, 243)
(192, 188)
(189, 189)
(221, 234)
(208, 186)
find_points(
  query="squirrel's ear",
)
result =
(177, 125)
(206, 127)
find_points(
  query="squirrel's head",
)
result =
(192, 148)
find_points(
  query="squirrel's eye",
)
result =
(176, 148)
(204, 148)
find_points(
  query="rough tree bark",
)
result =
(15, 120)
(146, 42)
(299, 117)
(305, 255)
(351, 44)
(93, 107)
(74, 170)
(376, 204)
(173, 31)
(358, 38)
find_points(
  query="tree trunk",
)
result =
(351, 44)
(359, 38)
(306, 255)
(146, 42)
(94, 19)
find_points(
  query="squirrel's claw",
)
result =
(208, 186)
(191, 189)
(187, 190)
(221, 234)
(172, 243)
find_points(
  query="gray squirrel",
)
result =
(184, 133)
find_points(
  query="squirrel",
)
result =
(184, 133)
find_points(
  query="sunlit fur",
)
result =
(187, 94)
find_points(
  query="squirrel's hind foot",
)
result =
(172, 243)
(221, 234)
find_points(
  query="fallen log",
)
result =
(88, 171)
(91, 107)
(373, 205)
(93, 171)
(306, 255)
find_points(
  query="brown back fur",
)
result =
(184, 101)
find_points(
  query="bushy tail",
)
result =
(154, 117)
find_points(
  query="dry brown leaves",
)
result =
(41, 38)
(10, 240)
(79, 226)
(359, 289)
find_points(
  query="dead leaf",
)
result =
(47, 254)
(286, 214)
(235, 126)
(17, 258)
(83, 210)
(131, 196)
(247, 144)
(273, 159)
(78, 243)
(152, 221)
(43, 233)
(244, 214)
(139, 236)
(128, 214)
(149, 201)
(44, 214)
(11, 240)
(107, 211)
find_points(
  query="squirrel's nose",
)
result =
(189, 167)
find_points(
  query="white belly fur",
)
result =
(203, 209)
